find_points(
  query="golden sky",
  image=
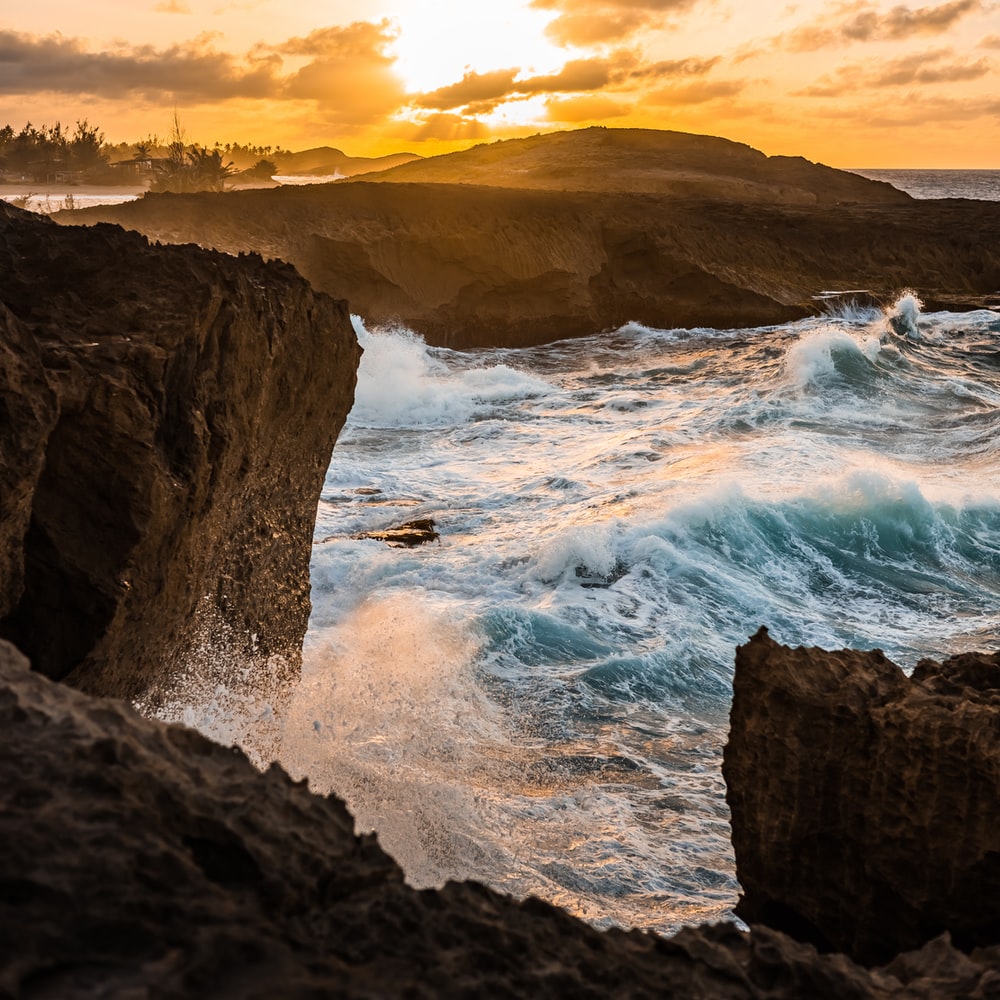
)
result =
(845, 82)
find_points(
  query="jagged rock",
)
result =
(866, 804)
(138, 859)
(406, 535)
(167, 415)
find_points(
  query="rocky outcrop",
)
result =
(490, 266)
(167, 415)
(138, 859)
(865, 803)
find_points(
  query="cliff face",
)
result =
(168, 417)
(865, 803)
(141, 859)
(492, 266)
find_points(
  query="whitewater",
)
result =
(539, 699)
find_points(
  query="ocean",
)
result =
(539, 699)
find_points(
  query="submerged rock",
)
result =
(167, 415)
(865, 803)
(138, 859)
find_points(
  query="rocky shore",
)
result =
(166, 417)
(564, 235)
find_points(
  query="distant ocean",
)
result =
(979, 185)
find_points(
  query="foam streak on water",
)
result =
(540, 700)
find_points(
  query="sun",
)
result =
(440, 42)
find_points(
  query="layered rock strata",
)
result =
(865, 802)
(167, 415)
(138, 859)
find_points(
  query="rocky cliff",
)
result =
(478, 266)
(138, 859)
(865, 802)
(167, 415)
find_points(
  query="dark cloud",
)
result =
(29, 64)
(347, 70)
(596, 22)
(862, 21)
(919, 68)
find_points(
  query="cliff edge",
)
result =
(167, 416)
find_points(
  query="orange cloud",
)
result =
(862, 21)
(596, 22)
(917, 68)
(172, 7)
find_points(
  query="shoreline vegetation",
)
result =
(49, 158)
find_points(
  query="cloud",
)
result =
(595, 22)
(700, 92)
(920, 68)
(990, 42)
(472, 88)
(350, 73)
(479, 93)
(172, 7)
(585, 109)
(862, 21)
(448, 127)
(29, 64)
(347, 70)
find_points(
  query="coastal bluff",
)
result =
(571, 234)
(167, 416)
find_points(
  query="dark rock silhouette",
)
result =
(408, 534)
(168, 415)
(141, 859)
(661, 228)
(864, 803)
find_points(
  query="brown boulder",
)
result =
(169, 414)
(864, 802)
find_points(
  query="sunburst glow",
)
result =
(439, 42)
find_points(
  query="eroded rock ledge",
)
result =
(141, 859)
(865, 803)
(167, 416)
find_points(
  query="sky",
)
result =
(860, 83)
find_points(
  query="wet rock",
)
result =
(167, 415)
(866, 804)
(406, 535)
(138, 859)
